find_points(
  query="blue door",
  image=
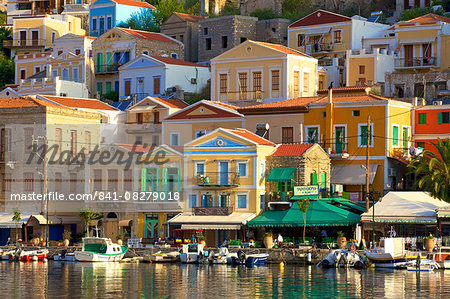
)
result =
(4, 235)
(55, 232)
(116, 86)
(224, 173)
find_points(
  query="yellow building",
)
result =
(224, 183)
(257, 72)
(36, 33)
(327, 36)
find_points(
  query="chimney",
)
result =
(330, 95)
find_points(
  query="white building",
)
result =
(154, 75)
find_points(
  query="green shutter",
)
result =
(323, 180)
(164, 180)
(144, 179)
(422, 118)
(363, 135)
(157, 179)
(108, 58)
(179, 180)
(313, 178)
(394, 135)
(440, 118)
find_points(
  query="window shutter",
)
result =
(164, 179)
(440, 118)
(313, 178)
(144, 179)
(157, 179)
(179, 180)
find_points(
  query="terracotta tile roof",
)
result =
(135, 3)
(291, 149)
(225, 105)
(150, 35)
(21, 102)
(429, 17)
(250, 136)
(281, 48)
(170, 60)
(188, 17)
(173, 103)
(139, 149)
(217, 112)
(351, 89)
(320, 17)
(291, 103)
(80, 103)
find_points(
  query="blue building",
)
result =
(106, 14)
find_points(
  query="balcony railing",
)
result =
(133, 128)
(23, 43)
(280, 196)
(248, 95)
(107, 68)
(218, 179)
(416, 62)
(213, 211)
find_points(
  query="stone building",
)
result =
(272, 31)
(248, 6)
(185, 28)
(301, 164)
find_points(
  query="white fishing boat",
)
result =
(342, 258)
(421, 265)
(64, 256)
(391, 253)
(160, 257)
(100, 250)
(29, 255)
(223, 257)
(191, 253)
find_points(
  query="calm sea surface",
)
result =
(115, 280)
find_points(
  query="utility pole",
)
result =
(367, 163)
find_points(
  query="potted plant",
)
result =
(342, 241)
(201, 240)
(429, 243)
(119, 239)
(268, 239)
(67, 235)
(36, 238)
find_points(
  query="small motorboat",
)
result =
(422, 265)
(391, 254)
(65, 256)
(442, 258)
(4, 254)
(209, 257)
(29, 255)
(191, 253)
(100, 250)
(342, 258)
(249, 259)
(160, 257)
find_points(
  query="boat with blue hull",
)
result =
(390, 254)
(249, 259)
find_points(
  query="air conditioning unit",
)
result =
(329, 47)
(392, 172)
(193, 80)
(437, 103)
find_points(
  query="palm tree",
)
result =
(304, 206)
(17, 216)
(433, 170)
(88, 215)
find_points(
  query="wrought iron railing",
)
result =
(107, 68)
(213, 211)
(217, 179)
(416, 62)
(24, 43)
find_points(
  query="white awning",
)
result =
(234, 221)
(318, 31)
(142, 108)
(352, 174)
(211, 226)
(418, 40)
(42, 219)
(7, 222)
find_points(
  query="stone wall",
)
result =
(272, 31)
(186, 32)
(248, 6)
(159, 48)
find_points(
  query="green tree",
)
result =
(432, 170)
(17, 217)
(89, 215)
(205, 94)
(2, 18)
(5, 33)
(264, 14)
(141, 20)
(6, 70)
(418, 12)
(165, 8)
(304, 205)
(296, 9)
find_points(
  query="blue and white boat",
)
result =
(249, 259)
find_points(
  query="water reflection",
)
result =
(108, 280)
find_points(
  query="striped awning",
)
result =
(418, 40)
(211, 226)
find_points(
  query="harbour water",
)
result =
(126, 280)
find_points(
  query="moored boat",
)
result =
(249, 259)
(342, 258)
(64, 256)
(170, 257)
(29, 255)
(391, 253)
(100, 250)
(191, 253)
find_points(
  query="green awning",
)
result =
(281, 175)
(347, 204)
(320, 213)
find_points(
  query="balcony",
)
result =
(400, 153)
(336, 150)
(213, 211)
(416, 62)
(107, 68)
(22, 43)
(218, 179)
(250, 95)
(143, 128)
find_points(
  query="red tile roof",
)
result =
(80, 103)
(251, 136)
(21, 102)
(135, 3)
(429, 17)
(320, 17)
(291, 149)
(173, 103)
(217, 112)
(274, 106)
(135, 148)
(345, 89)
(281, 48)
(150, 35)
(188, 17)
(229, 106)
(170, 60)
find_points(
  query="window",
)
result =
(77, 51)
(242, 86)
(87, 141)
(405, 137)
(443, 117)
(296, 83)
(60, 52)
(175, 138)
(361, 81)
(257, 85)
(205, 31)
(306, 82)
(395, 136)
(5, 142)
(172, 181)
(28, 132)
(108, 23)
(224, 42)
(275, 80)
(138, 140)
(199, 133)
(155, 140)
(337, 36)
(243, 39)
(156, 117)
(363, 135)
(99, 88)
(262, 169)
(199, 169)
(37, 69)
(73, 142)
(262, 202)
(421, 145)
(422, 118)
(23, 74)
(323, 180)
(242, 169)
(207, 200)
(97, 180)
(152, 182)
(300, 40)
(58, 180)
(208, 43)
(108, 86)
(223, 200)
(53, 37)
(193, 200)
(287, 135)
(242, 201)
(145, 52)
(6, 182)
(181, 39)
(113, 180)
(28, 181)
(58, 139)
(127, 88)
(73, 183)
(139, 118)
(355, 112)
(156, 85)
(313, 135)
(54, 74)
(313, 178)
(362, 69)
(223, 83)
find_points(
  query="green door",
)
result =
(151, 228)
(340, 138)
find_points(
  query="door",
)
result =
(224, 201)
(156, 86)
(340, 139)
(35, 37)
(111, 229)
(23, 38)
(127, 88)
(223, 173)
(55, 232)
(287, 135)
(408, 55)
(151, 228)
(426, 50)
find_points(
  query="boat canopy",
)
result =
(320, 213)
